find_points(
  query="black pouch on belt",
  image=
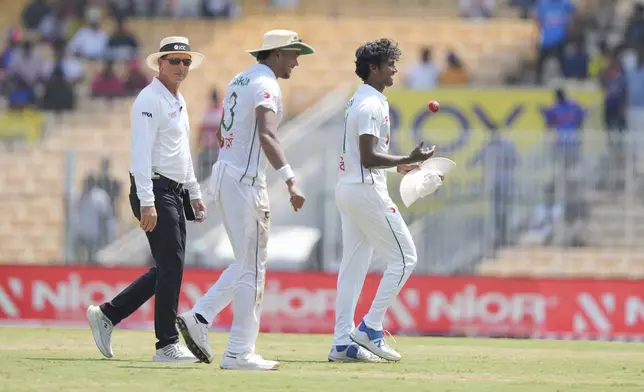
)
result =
(190, 213)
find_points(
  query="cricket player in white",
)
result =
(248, 137)
(370, 219)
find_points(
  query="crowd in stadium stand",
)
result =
(577, 41)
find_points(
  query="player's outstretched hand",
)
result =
(421, 153)
(297, 197)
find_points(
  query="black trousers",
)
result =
(168, 245)
(556, 51)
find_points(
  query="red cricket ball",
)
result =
(433, 106)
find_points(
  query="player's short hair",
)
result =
(377, 52)
(263, 55)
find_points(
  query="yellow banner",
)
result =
(460, 128)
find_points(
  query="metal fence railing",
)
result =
(557, 194)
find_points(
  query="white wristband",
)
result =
(285, 172)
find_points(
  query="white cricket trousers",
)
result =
(245, 213)
(370, 222)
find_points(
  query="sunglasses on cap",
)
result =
(177, 61)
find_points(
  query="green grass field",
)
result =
(63, 360)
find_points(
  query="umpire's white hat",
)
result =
(170, 45)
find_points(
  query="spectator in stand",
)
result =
(21, 121)
(477, 8)
(604, 13)
(223, 9)
(135, 79)
(90, 41)
(581, 23)
(634, 34)
(34, 12)
(599, 61)
(107, 84)
(26, 64)
(499, 158)
(566, 118)
(553, 17)
(575, 61)
(613, 82)
(56, 26)
(14, 38)
(110, 184)
(72, 67)
(122, 45)
(19, 93)
(635, 102)
(422, 75)
(455, 73)
(59, 93)
(526, 7)
(151, 7)
(121, 9)
(208, 142)
(94, 218)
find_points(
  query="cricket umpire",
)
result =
(164, 193)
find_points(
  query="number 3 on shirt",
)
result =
(232, 102)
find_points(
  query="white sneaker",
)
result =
(352, 353)
(195, 334)
(101, 329)
(174, 353)
(374, 341)
(247, 361)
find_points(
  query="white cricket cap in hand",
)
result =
(425, 180)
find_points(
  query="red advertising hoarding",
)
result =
(304, 302)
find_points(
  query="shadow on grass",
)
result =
(79, 359)
(303, 361)
(160, 367)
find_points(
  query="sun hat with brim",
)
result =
(283, 40)
(171, 45)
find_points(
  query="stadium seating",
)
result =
(570, 262)
(488, 48)
(95, 125)
(612, 250)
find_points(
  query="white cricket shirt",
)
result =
(241, 151)
(160, 141)
(367, 113)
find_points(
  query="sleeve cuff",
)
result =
(147, 203)
(195, 193)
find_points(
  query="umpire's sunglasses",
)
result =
(177, 61)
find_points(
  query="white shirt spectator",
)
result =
(89, 42)
(52, 28)
(367, 114)
(26, 64)
(72, 69)
(160, 141)
(94, 216)
(250, 89)
(422, 76)
(477, 8)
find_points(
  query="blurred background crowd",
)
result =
(543, 98)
